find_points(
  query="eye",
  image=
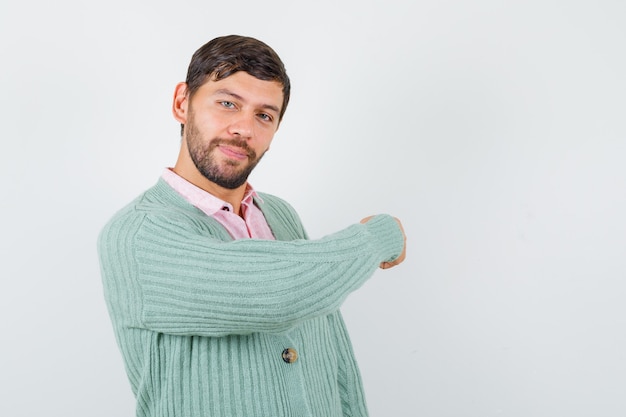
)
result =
(228, 104)
(265, 117)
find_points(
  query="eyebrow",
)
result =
(238, 97)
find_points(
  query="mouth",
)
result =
(233, 152)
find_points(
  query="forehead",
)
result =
(249, 88)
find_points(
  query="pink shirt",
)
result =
(253, 223)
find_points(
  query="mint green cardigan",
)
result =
(202, 320)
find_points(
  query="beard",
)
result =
(231, 174)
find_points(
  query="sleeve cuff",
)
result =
(388, 238)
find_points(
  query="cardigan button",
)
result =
(290, 355)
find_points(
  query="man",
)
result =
(221, 305)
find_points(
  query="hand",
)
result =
(399, 259)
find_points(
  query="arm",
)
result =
(167, 276)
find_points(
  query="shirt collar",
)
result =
(204, 200)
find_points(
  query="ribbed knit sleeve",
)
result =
(177, 278)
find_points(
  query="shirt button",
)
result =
(290, 355)
(225, 208)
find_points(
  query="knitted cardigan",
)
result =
(202, 320)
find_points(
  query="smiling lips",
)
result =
(233, 152)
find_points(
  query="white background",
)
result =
(494, 129)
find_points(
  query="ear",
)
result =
(180, 103)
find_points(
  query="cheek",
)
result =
(209, 122)
(264, 143)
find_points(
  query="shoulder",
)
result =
(159, 210)
(126, 218)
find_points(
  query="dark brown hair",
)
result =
(226, 55)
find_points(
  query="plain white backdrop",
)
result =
(494, 129)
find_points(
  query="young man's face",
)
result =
(230, 124)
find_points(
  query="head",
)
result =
(226, 55)
(229, 108)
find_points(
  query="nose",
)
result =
(242, 125)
